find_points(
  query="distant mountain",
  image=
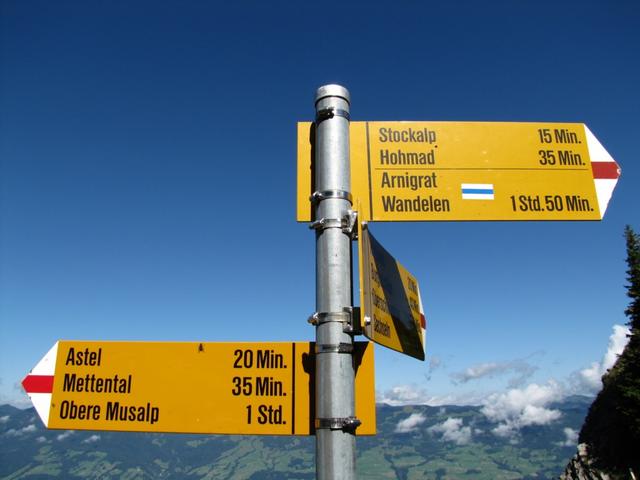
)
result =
(413, 442)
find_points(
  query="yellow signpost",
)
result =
(439, 171)
(390, 299)
(223, 388)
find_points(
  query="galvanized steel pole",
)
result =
(335, 420)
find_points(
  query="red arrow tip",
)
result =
(605, 170)
(38, 383)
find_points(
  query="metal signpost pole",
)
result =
(335, 421)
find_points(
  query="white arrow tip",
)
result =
(605, 170)
(39, 383)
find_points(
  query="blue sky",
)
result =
(148, 183)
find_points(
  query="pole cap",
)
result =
(333, 91)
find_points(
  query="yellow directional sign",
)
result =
(224, 388)
(390, 299)
(438, 171)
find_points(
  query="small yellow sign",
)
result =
(440, 171)
(222, 388)
(390, 299)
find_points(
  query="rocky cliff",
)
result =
(581, 467)
(610, 437)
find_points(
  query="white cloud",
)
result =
(532, 415)
(452, 430)
(16, 396)
(413, 395)
(4, 419)
(519, 369)
(478, 371)
(403, 395)
(41, 439)
(591, 377)
(435, 363)
(12, 432)
(519, 408)
(91, 439)
(503, 430)
(571, 438)
(411, 423)
(65, 435)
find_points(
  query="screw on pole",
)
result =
(335, 406)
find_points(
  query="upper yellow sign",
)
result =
(227, 388)
(438, 171)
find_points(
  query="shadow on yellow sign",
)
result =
(390, 299)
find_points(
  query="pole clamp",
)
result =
(325, 223)
(349, 317)
(346, 424)
(317, 197)
(347, 223)
(330, 112)
(351, 224)
(318, 318)
(334, 348)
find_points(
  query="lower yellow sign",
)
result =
(390, 299)
(222, 388)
